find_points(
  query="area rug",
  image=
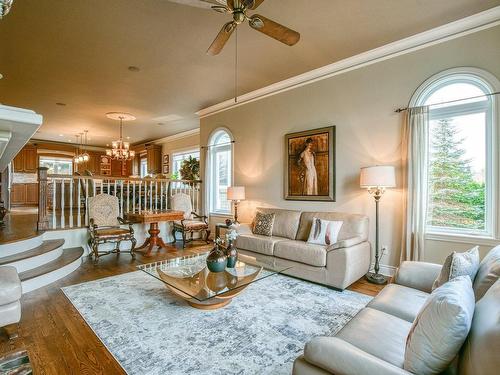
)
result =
(150, 331)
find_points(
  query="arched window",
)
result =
(220, 171)
(460, 161)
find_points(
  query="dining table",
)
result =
(153, 217)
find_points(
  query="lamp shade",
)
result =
(378, 176)
(236, 193)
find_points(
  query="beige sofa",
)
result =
(337, 265)
(374, 341)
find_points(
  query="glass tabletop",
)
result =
(189, 275)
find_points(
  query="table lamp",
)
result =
(236, 194)
(376, 179)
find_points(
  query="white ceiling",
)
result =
(77, 52)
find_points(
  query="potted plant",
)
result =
(190, 169)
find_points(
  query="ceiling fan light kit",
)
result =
(238, 9)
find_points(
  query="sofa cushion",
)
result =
(300, 251)
(440, 328)
(286, 222)
(263, 224)
(488, 273)
(10, 290)
(458, 264)
(257, 243)
(353, 224)
(324, 232)
(379, 334)
(480, 354)
(400, 301)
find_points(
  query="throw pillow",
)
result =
(440, 328)
(324, 232)
(458, 264)
(263, 224)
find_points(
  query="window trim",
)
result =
(210, 160)
(488, 83)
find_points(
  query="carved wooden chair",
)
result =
(191, 223)
(104, 226)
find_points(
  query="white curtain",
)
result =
(415, 147)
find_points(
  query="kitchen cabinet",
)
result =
(32, 194)
(24, 194)
(154, 158)
(26, 161)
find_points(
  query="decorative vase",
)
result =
(216, 259)
(231, 254)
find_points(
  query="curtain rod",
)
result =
(220, 144)
(450, 101)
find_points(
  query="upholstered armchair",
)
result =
(191, 223)
(105, 226)
(10, 296)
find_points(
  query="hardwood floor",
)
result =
(57, 338)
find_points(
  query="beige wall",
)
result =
(171, 145)
(361, 105)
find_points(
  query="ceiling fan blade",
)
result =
(221, 38)
(205, 4)
(221, 9)
(252, 4)
(274, 29)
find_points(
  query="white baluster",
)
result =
(156, 195)
(79, 217)
(140, 198)
(54, 203)
(133, 196)
(71, 202)
(62, 203)
(128, 195)
(86, 201)
(114, 187)
(151, 195)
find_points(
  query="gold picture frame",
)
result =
(310, 165)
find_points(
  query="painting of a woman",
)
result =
(310, 173)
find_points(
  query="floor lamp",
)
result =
(376, 179)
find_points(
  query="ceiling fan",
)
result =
(238, 9)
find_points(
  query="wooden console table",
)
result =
(153, 218)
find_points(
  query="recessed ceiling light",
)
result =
(69, 140)
(61, 104)
(1, 75)
(161, 123)
(128, 137)
(133, 68)
(61, 135)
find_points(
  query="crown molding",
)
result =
(174, 137)
(456, 29)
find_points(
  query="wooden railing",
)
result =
(63, 199)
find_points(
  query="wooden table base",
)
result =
(152, 241)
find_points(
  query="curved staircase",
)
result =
(40, 262)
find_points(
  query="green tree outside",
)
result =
(456, 199)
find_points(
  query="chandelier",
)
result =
(81, 155)
(120, 150)
(5, 7)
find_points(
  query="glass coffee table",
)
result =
(189, 278)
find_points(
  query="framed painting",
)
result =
(166, 164)
(310, 165)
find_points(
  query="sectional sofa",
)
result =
(374, 341)
(337, 265)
